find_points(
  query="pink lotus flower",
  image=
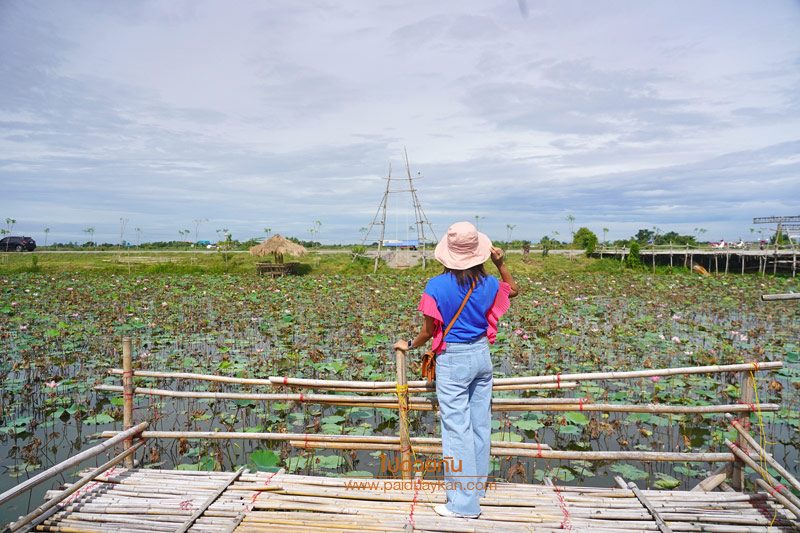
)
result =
(655, 379)
(525, 336)
(676, 339)
(23, 328)
(52, 384)
(518, 331)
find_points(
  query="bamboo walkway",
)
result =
(140, 500)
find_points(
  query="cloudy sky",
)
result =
(625, 115)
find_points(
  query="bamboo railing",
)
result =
(404, 402)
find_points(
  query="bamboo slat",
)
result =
(498, 404)
(553, 379)
(271, 382)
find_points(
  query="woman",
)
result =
(463, 365)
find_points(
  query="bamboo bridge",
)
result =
(118, 496)
(716, 260)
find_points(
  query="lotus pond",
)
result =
(61, 332)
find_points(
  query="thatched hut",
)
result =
(278, 246)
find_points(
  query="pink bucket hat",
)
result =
(463, 247)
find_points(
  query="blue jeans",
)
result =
(464, 391)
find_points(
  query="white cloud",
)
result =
(279, 114)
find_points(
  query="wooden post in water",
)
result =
(127, 394)
(402, 398)
(742, 258)
(746, 396)
(727, 260)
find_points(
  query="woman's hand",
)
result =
(401, 345)
(497, 256)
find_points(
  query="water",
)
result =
(59, 344)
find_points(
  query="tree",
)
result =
(633, 259)
(123, 222)
(46, 233)
(548, 243)
(605, 232)
(571, 219)
(10, 224)
(586, 239)
(268, 231)
(477, 221)
(197, 223)
(644, 236)
(510, 228)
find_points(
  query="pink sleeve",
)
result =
(427, 305)
(501, 304)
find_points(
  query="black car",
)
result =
(17, 244)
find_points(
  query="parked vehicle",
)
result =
(17, 244)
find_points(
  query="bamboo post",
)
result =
(775, 260)
(127, 394)
(402, 401)
(746, 398)
(69, 463)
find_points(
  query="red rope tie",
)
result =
(565, 523)
(90, 486)
(414, 504)
(539, 450)
(777, 488)
(302, 399)
(558, 380)
(580, 404)
(755, 366)
(285, 380)
(266, 484)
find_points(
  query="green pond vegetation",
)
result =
(62, 318)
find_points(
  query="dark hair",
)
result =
(467, 276)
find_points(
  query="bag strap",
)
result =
(455, 317)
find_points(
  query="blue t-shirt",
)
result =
(471, 323)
